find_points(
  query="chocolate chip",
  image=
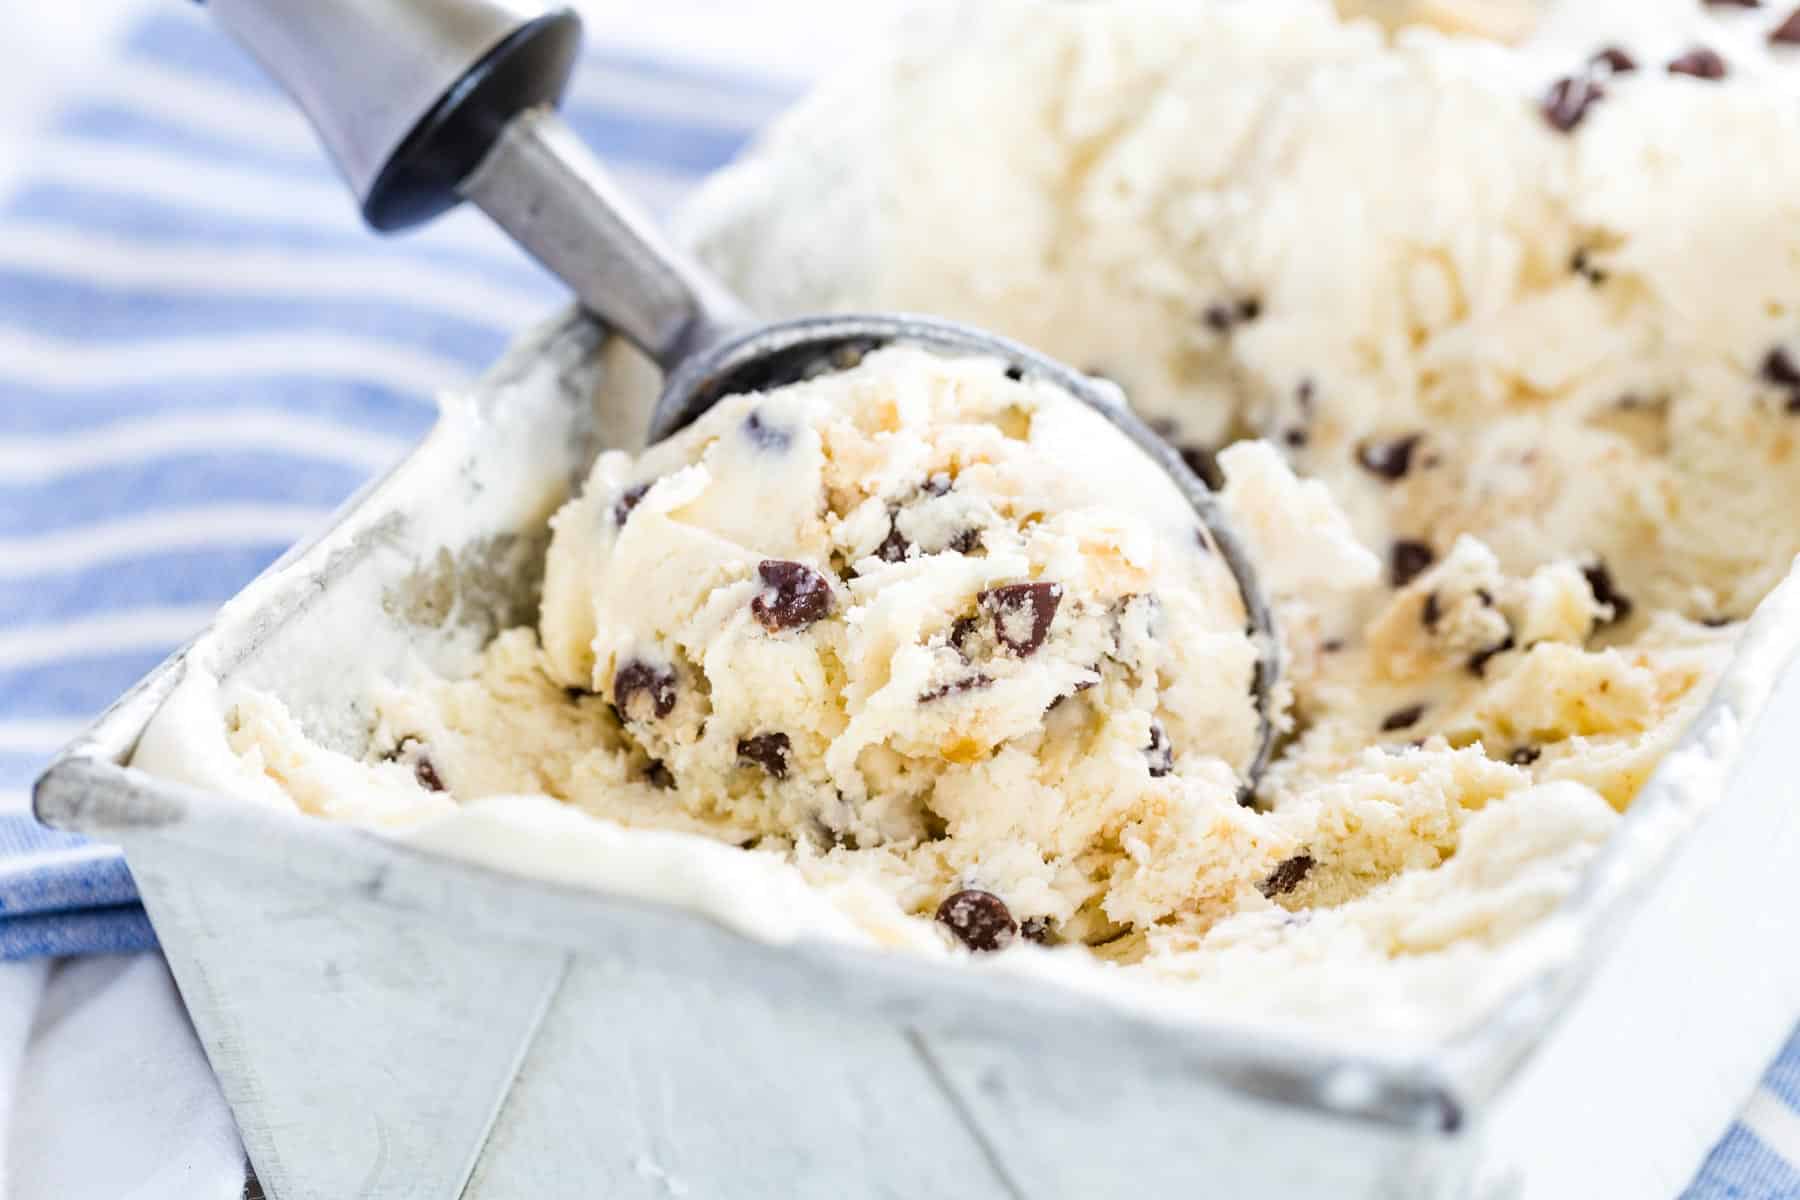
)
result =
(1036, 929)
(1524, 756)
(893, 548)
(639, 678)
(1432, 613)
(658, 775)
(1296, 437)
(1221, 317)
(1479, 660)
(1615, 60)
(1022, 614)
(980, 920)
(1567, 102)
(628, 500)
(1203, 462)
(1402, 718)
(966, 542)
(766, 750)
(1160, 754)
(1389, 460)
(1788, 32)
(764, 435)
(1407, 560)
(1700, 63)
(956, 687)
(1582, 263)
(960, 631)
(1779, 368)
(1016, 374)
(1606, 591)
(427, 775)
(793, 596)
(1287, 875)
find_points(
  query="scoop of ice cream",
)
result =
(920, 599)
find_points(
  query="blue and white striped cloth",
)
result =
(202, 352)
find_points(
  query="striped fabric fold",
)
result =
(202, 352)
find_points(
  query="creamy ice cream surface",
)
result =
(1503, 20)
(1490, 351)
(916, 619)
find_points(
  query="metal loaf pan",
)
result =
(388, 1023)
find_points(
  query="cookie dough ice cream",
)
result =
(1490, 351)
(919, 614)
(923, 622)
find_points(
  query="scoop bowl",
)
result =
(761, 357)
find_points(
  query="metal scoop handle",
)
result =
(544, 187)
(425, 103)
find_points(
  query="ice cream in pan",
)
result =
(924, 635)
(892, 545)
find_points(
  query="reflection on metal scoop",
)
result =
(426, 103)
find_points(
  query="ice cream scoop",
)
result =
(426, 103)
